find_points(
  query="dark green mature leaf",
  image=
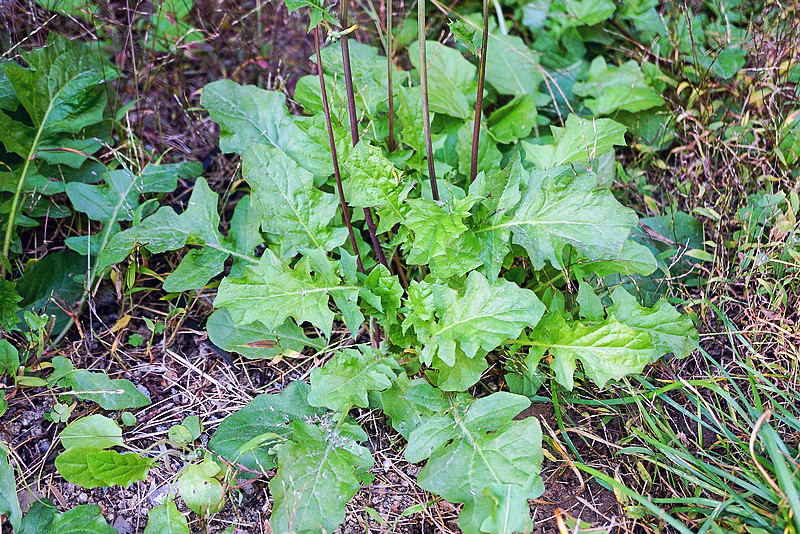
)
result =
(166, 519)
(634, 258)
(246, 115)
(254, 340)
(317, 476)
(9, 503)
(265, 414)
(482, 316)
(370, 84)
(39, 519)
(9, 300)
(83, 519)
(488, 155)
(511, 67)
(166, 230)
(317, 11)
(451, 84)
(118, 198)
(726, 63)
(293, 210)
(442, 241)
(271, 291)
(59, 275)
(375, 182)
(612, 89)
(669, 331)
(170, 28)
(581, 140)
(118, 394)
(9, 358)
(513, 121)
(478, 456)
(409, 114)
(607, 350)
(581, 12)
(552, 215)
(347, 378)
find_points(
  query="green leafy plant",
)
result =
(451, 298)
(480, 235)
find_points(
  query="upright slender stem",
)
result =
(351, 107)
(389, 69)
(326, 108)
(423, 84)
(476, 126)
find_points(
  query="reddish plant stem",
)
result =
(423, 84)
(389, 69)
(476, 126)
(351, 107)
(326, 108)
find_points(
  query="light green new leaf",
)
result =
(410, 402)
(246, 115)
(265, 414)
(622, 88)
(581, 140)
(463, 374)
(381, 296)
(254, 340)
(93, 431)
(441, 239)
(317, 476)
(482, 316)
(9, 503)
(607, 350)
(375, 182)
(198, 488)
(116, 469)
(464, 35)
(552, 215)
(83, 519)
(478, 456)
(293, 210)
(166, 519)
(451, 84)
(347, 378)
(669, 331)
(512, 68)
(271, 291)
(91, 467)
